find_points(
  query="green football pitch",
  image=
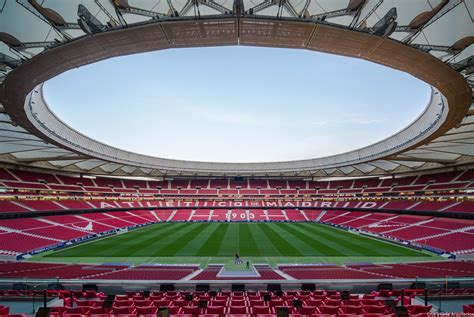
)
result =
(218, 242)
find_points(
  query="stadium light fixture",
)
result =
(88, 23)
(16, 44)
(353, 7)
(238, 8)
(458, 46)
(386, 26)
(125, 7)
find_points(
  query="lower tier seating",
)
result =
(178, 272)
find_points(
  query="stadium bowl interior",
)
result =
(383, 230)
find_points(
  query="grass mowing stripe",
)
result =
(319, 246)
(230, 241)
(247, 244)
(298, 241)
(346, 242)
(162, 242)
(371, 244)
(147, 245)
(264, 245)
(198, 240)
(213, 243)
(179, 241)
(368, 246)
(99, 247)
(283, 246)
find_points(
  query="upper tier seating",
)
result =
(49, 181)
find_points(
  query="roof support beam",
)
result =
(416, 159)
(57, 158)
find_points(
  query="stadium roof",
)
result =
(432, 40)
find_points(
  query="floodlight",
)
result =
(88, 23)
(386, 25)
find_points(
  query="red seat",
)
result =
(83, 303)
(122, 303)
(239, 302)
(371, 302)
(374, 309)
(161, 303)
(142, 303)
(352, 302)
(90, 294)
(123, 310)
(469, 309)
(237, 310)
(332, 302)
(219, 302)
(179, 302)
(75, 310)
(418, 309)
(257, 302)
(314, 302)
(308, 310)
(193, 310)
(384, 293)
(57, 310)
(98, 310)
(215, 310)
(277, 302)
(174, 309)
(144, 310)
(261, 310)
(350, 310)
(332, 310)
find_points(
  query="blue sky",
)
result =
(236, 104)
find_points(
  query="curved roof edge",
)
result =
(456, 93)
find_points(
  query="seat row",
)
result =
(221, 310)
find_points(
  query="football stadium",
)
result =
(346, 188)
